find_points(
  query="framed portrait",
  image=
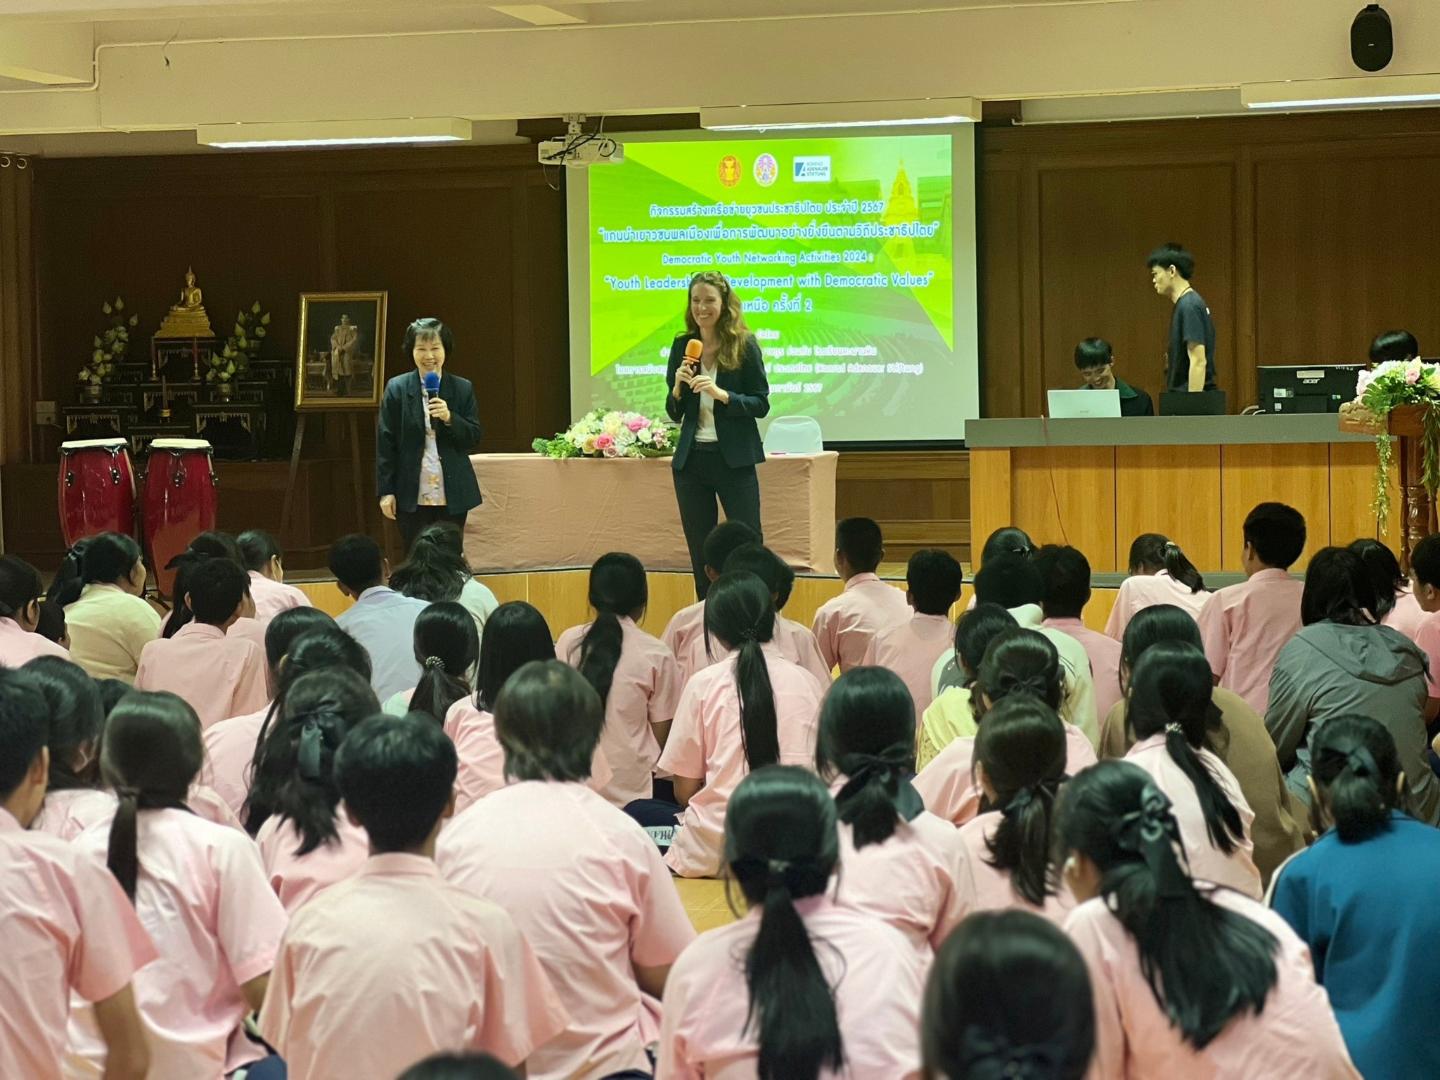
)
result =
(341, 361)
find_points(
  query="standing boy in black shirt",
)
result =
(1190, 361)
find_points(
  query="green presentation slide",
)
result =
(841, 249)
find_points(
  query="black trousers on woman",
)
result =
(704, 479)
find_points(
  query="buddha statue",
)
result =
(187, 319)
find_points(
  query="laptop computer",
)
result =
(1196, 403)
(1083, 404)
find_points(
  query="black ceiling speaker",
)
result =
(1372, 41)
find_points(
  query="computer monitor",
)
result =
(1307, 388)
(1193, 403)
(1083, 404)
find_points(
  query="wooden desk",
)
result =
(1097, 484)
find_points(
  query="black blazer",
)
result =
(739, 438)
(400, 443)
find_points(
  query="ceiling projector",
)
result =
(579, 149)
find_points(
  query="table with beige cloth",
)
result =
(540, 513)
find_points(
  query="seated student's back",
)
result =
(263, 561)
(20, 589)
(911, 648)
(754, 710)
(381, 619)
(1245, 626)
(63, 913)
(687, 625)
(108, 621)
(899, 862)
(396, 964)
(801, 987)
(216, 675)
(634, 673)
(198, 888)
(583, 881)
(1357, 897)
(1189, 980)
(307, 843)
(845, 625)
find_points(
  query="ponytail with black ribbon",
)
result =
(1357, 774)
(1205, 964)
(1020, 757)
(294, 776)
(867, 738)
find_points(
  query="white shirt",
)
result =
(705, 432)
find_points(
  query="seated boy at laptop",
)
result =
(1096, 364)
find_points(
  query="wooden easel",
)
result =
(355, 488)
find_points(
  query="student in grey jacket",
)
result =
(1343, 663)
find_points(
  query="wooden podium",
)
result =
(1405, 424)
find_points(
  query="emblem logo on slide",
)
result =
(812, 170)
(766, 169)
(730, 170)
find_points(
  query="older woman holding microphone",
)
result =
(718, 390)
(428, 425)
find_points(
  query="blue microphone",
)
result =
(432, 384)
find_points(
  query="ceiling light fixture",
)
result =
(334, 133)
(841, 114)
(1342, 93)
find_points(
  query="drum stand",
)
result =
(355, 488)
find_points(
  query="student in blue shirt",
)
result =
(1363, 898)
(381, 619)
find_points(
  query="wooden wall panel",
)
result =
(1296, 475)
(1352, 496)
(1173, 490)
(1066, 495)
(920, 498)
(1096, 227)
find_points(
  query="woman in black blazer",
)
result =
(717, 400)
(417, 489)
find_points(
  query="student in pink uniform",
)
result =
(733, 718)
(1159, 574)
(799, 987)
(1018, 661)
(1245, 626)
(1190, 981)
(515, 634)
(898, 862)
(198, 888)
(263, 562)
(583, 881)
(67, 928)
(688, 624)
(397, 964)
(634, 673)
(1067, 590)
(1395, 602)
(76, 718)
(1008, 995)
(1425, 585)
(911, 648)
(795, 641)
(447, 651)
(950, 715)
(1020, 758)
(1170, 711)
(218, 676)
(845, 624)
(20, 590)
(306, 843)
(232, 745)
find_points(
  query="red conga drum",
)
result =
(179, 502)
(97, 489)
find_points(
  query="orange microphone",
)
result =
(693, 349)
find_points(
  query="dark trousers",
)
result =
(412, 521)
(705, 478)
